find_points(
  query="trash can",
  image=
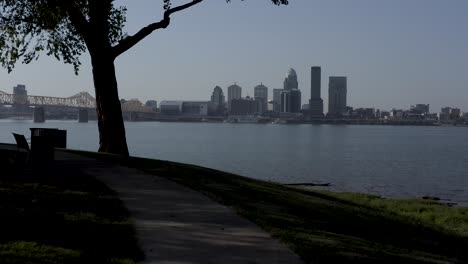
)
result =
(44, 141)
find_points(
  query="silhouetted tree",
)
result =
(68, 28)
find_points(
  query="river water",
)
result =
(392, 161)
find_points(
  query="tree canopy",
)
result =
(60, 28)
(66, 29)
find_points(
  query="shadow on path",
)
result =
(175, 224)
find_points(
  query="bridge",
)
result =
(82, 101)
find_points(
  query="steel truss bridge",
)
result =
(81, 100)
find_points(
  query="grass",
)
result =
(326, 227)
(62, 216)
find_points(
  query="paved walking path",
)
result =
(175, 224)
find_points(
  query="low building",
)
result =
(420, 109)
(153, 104)
(431, 117)
(171, 107)
(455, 113)
(397, 114)
(449, 113)
(245, 106)
(384, 114)
(363, 113)
(195, 108)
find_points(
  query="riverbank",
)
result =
(268, 120)
(321, 227)
(327, 227)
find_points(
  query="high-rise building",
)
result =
(218, 102)
(337, 92)
(290, 82)
(291, 95)
(20, 98)
(295, 100)
(20, 94)
(316, 102)
(277, 100)
(261, 94)
(285, 101)
(234, 92)
(217, 97)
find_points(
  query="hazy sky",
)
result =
(395, 52)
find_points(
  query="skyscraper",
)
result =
(290, 82)
(20, 98)
(261, 94)
(337, 92)
(295, 100)
(316, 102)
(20, 94)
(285, 101)
(234, 92)
(291, 95)
(277, 100)
(218, 101)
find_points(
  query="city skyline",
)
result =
(419, 59)
(239, 90)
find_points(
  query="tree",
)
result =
(68, 28)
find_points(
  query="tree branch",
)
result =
(79, 22)
(131, 41)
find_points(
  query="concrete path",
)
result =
(178, 225)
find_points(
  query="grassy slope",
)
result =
(62, 216)
(326, 227)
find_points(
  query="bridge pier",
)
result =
(83, 115)
(39, 115)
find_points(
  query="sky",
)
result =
(395, 53)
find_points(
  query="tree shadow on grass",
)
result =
(60, 215)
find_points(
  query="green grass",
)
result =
(62, 216)
(326, 227)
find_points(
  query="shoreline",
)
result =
(313, 186)
(319, 226)
(339, 122)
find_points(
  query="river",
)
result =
(392, 161)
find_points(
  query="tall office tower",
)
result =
(290, 82)
(234, 92)
(20, 98)
(218, 101)
(285, 103)
(290, 95)
(217, 97)
(295, 101)
(337, 92)
(277, 100)
(20, 94)
(316, 102)
(261, 94)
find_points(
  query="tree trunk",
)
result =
(110, 121)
